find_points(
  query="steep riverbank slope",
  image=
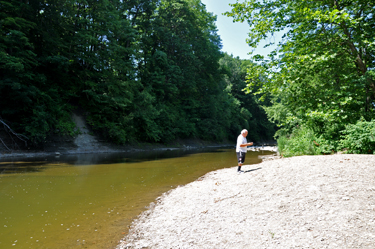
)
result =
(299, 202)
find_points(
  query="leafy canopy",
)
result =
(321, 74)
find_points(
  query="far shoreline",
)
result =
(126, 149)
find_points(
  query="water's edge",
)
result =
(126, 149)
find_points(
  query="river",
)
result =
(90, 200)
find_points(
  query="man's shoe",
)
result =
(240, 172)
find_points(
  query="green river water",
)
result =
(90, 200)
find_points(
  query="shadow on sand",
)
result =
(247, 171)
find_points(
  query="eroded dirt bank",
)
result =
(299, 202)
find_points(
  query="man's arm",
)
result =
(245, 145)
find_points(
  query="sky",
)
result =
(233, 35)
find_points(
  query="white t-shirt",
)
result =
(241, 140)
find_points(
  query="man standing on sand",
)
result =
(241, 149)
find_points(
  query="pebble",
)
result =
(281, 203)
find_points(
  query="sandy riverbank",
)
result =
(299, 202)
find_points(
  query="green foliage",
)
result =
(356, 138)
(62, 52)
(300, 142)
(325, 146)
(140, 70)
(181, 75)
(359, 138)
(320, 76)
(248, 110)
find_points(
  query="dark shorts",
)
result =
(241, 157)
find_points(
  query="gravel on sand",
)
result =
(299, 202)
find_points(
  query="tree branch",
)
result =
(19, 136)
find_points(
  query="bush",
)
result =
(359, 138)
(300, 142)
(325, 146)
(281, 143)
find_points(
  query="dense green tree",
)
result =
(103, 63)
(78, 54)
(138, 70)
(26, 102)
(181, 68)
(321, 75)
(248, 111)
